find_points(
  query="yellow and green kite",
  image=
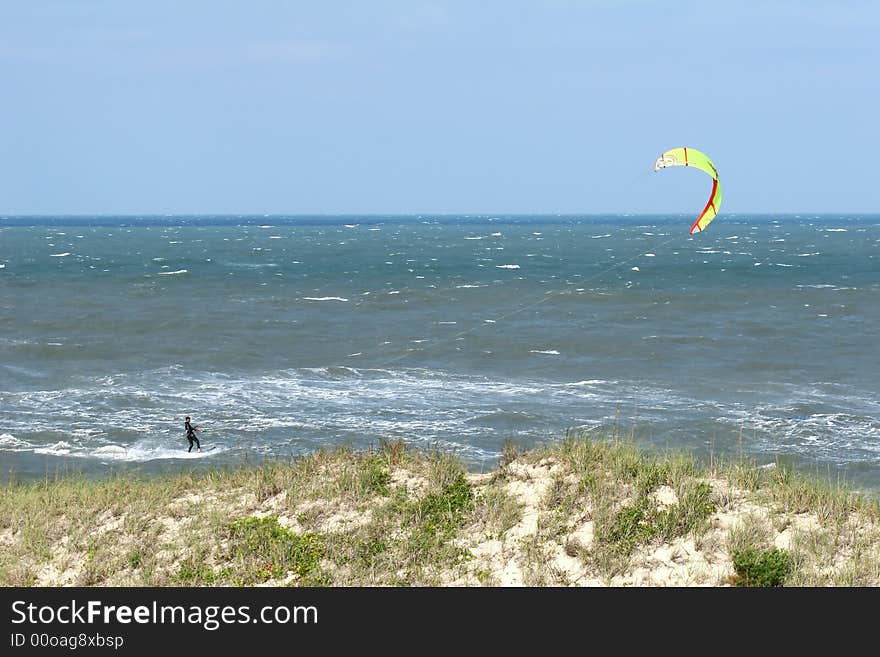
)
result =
(690, 157)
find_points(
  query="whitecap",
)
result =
(59, 255)
(172, 273)
(110, 449)
(550, 352)
(324, 299)
(636, 269)
(507, 266)
(60, 447)
(7, 441)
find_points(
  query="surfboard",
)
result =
(204, 449)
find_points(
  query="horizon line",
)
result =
(421, 214)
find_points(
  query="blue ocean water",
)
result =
(280, 335)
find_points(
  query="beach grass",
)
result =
(581, 511)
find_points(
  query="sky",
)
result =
(409, 107)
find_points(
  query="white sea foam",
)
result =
(172, 273)
(507, 266)
(60, 447)
(550, 352)
(141, 453)
(111, 449)
(10, 442)
(59, 255)
(324, 299)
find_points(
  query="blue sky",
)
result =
(397, 107)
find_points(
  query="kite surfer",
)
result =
(191, 435)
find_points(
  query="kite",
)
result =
(690, 157)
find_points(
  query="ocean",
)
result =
(280, 335)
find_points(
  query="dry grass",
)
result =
(580, 512)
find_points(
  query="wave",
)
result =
(104, 453)
(11, 443)
(277, 413)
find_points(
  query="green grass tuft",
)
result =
(761, 567)
(262, 549)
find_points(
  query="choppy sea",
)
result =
(280, 335)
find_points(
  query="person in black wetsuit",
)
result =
(191, 435)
